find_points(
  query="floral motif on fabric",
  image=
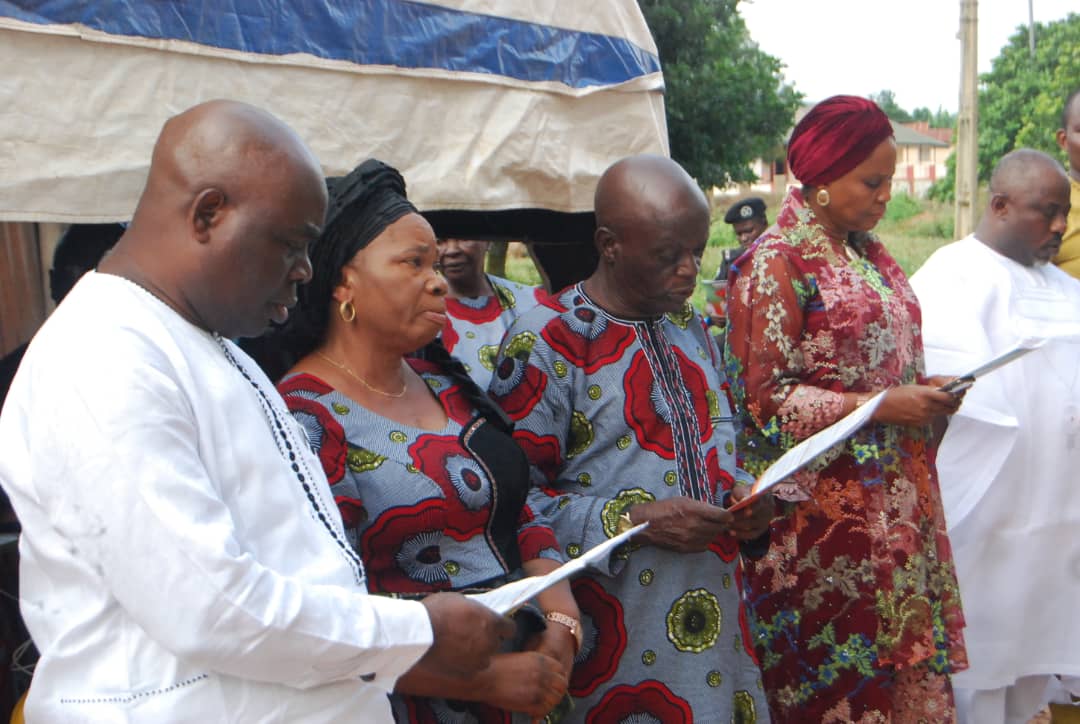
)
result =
(404, 549)
(442, 711)
(585, 338)
(325, 433)
(694, 621)
(476, 310)
(858, 581)
(745, 632)
(649, 413)
(649, 702)
(581, 434)
(541, 447)
(744, 708)
(603, 637)
(517, 387)
(362, 460)
(617, 505)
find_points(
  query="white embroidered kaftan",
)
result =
(1008, 463)
(174, 568)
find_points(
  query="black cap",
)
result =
(745, 209)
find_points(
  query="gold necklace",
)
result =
(347, 370)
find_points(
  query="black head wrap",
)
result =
(359, 208)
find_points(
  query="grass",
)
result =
(911, 230)
(519, 265)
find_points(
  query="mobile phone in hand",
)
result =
(957, 385)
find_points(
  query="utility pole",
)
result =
(967, 121)
(1031, 28)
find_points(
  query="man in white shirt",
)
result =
(182, 556)
(1009, 459)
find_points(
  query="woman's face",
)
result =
(393, 282)
(462, 261)
(857, 199)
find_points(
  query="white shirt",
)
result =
(1008, 463)
(173, 566)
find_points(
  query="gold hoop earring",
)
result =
(823, 200)
(347, 311)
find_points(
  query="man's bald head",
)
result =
(646, 188)
(221, 144)
(1017, 169)
(1029, 203)
(232, 199)
(652, 227)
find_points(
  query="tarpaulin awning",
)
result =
(485, 105)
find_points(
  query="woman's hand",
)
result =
(528, 682)
(557, 642)
(915, 405)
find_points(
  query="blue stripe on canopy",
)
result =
(367, 32)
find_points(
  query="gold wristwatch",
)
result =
(571, 623)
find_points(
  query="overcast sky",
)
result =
(860, 47)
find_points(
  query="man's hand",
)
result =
(527, 682)
(752, 522)
(680, 524)
(467, 634)
(915, 405)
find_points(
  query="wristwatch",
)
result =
(571, 623)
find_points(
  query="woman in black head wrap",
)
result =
(430, 485)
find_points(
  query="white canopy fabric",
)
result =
(483, 105)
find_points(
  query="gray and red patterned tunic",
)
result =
(475, 325)
(613, 412)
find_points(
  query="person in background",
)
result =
(747, 219)
(1009, 458)
(1068, 137)
(479, 307)
(619, 401)
(855, 608)
(182, 558)
(429, 482)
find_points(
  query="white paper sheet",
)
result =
(801, 455)
(504, 599)
(1004, 359)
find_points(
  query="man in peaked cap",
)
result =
(747, 219)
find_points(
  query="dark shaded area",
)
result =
(562, 243)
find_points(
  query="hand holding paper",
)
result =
(802, 454)
(505, 599)
(962, 382)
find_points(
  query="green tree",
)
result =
(1020, 99)
(886, 99)
(726, 100)
(940, 119)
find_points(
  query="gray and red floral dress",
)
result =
(421, 507)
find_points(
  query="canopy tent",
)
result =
(501, 114)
